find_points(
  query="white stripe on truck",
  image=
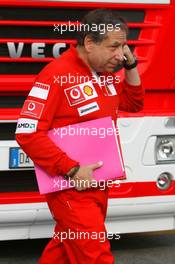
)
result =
(119, 1)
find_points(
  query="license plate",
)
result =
(19, 159)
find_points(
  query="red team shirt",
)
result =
(66, 92)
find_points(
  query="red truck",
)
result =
(145, 201)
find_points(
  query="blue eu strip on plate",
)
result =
(19, 159)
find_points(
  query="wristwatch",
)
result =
(70, 174)
(130, 66)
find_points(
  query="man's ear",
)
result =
(88, 44)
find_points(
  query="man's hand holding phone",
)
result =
(130, 64)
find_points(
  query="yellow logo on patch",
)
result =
(88, 90)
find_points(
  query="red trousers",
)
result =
(80, 234)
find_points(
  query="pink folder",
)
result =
(87, 142)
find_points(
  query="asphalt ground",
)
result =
(152, 248)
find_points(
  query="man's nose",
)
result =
(119, 54)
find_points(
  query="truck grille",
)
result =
(7, 131)
(29, 25)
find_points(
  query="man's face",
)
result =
(106, 55)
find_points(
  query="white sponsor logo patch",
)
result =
(80, 93)
(111, 89)
(40, 90)
(89, 108)
(26, 125)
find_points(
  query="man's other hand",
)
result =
(84, 176)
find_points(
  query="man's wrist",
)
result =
(70, 174)
(130, 64)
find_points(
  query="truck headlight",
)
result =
(165, 149)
